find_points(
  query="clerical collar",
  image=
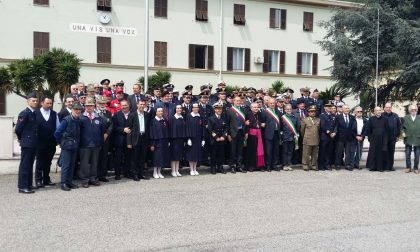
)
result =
(178, 116)
(194, 115)
(158, 119)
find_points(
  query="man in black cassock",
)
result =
(378, 135)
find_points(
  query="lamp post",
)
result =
(146, 45)
(377, 63)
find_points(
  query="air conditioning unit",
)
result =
(259, 60)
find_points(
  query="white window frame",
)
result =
(307, 58)
(235, 57)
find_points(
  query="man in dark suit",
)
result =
(121, 129)
(66, 110)
(138, 140)
(346, 138)
(300, 113)
(361, 133)
(27, 135)
(135, 97)
(205, 111)
(271, 117)
(327, 133)
(237, 123)
(48, 122)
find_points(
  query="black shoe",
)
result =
(49, 183)
(251, 169)
(392, 169)
(85, 185)
(233, 170)
(26, 191)
(73, 186)
(94, 183)
(240, 169)
(38, 185)
(144, 177)
(278, 168)
(103, 180)
(65, 188)
(136, 178)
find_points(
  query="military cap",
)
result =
(100, 100)
(312, 108)
(176, 91)
(81, 94)
(221, 83)
(168, 86)
(90, 101)
(120, 83)
(218, 105)
(31, 95)
(77, 105)
(90, 88)
(316, 90)
(202, 87)
(289, 90)
(204, 94)
(328, 104)
(188, 87)
(340, 104)
(105, 81)
(300, 100)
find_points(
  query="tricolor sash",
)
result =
(273, 115)
(238, 113)
(286, 119)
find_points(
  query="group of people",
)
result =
(101, 128)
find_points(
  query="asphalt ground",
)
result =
(277, 211)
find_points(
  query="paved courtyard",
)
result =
(278, 211)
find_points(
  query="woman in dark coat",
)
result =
(160, 143)
(195, 142)
(177, 128)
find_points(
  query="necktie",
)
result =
(347, 121)
(137, 98)
(302, 115)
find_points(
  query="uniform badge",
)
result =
(96, 122)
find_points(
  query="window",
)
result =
(278, 19)
(307, 63)
(161, 52)
(201, 56)
(41, 42)
(42, 2)
(274, 61)
(2, 103)
(239, 14)
(201, 10)
(104, 5)
(103, 49)
(308, 21)
(161, 8)
(238, 59)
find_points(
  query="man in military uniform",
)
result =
(327, 135)
(217, 129)
(104, 159)
(205, 111)
(309, 130)
(27, 134)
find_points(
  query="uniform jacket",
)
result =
(217, 128)
(327, 125)
(309, 130)
(27, 129)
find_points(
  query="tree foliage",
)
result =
(156, 80)
(49, 73)
(351, 38)
(278, 87)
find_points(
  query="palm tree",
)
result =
(329, 93)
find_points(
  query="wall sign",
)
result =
(106, 30)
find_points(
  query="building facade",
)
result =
(247, 42)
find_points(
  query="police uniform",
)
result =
(326, 145)
(27, 134)
(217, 128)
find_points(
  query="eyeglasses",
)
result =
(359, 111)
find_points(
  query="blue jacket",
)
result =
(68, 133)
(327, 125)
(27, 129)
(394, 123)
(91, 131)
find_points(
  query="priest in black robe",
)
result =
(254, 153)
(378, 135)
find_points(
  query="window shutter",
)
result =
(2, 103)
(41, 42)
(299, 63)
(191, 56)
(283, 19)
(308, 21)
(107, 42)
(236, 10)
(243, 14)
(210, 57)
(163, 53)
(103, 47)
(282, 67)
(265, 64)
(204, 9)
(229, 64)
(198, 12)
(315, 64)
(158, 9)
(272, 18)
(239, 14)
(164, 8)
(157, 52)
(42, 2)
(247, 59)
